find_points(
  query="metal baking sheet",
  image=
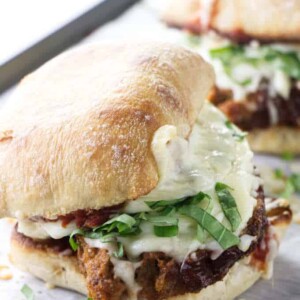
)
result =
(16, 68)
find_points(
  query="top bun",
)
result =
(78, 133)
(267, 20)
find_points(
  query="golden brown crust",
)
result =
(183, 14)
(270, 20)
(275, 140)
(78, 132)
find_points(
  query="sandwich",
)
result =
(254, 48)
(127, 184)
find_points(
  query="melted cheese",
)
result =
(125, 270)
(210, 155)
(44, 230)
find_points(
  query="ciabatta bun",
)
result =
(78, 132)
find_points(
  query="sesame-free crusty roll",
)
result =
(78, 132)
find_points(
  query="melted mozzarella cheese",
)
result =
(211, 154)
(44, 230)
(125, 270)
(245, 242)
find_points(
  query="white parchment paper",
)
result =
(142, 22)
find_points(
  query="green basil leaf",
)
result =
(72, 241)
(238, 135)
(194, 200)
(162, 220)
(288, 62)
(228, 205)
(227, 53)
(27, 292)
(159, 204)
(168, 211)
(201, 234)
(124, 218)
(166, 231)
(141, 216)
(217, 230)
(120, 252)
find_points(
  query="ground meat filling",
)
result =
(161, 276)
(254, 111)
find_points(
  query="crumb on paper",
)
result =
(49, 285)
(5, 273)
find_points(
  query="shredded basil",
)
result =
(228, 205)
(120, 252)
(201, 234)
(164, 216)
(27, 292)
(217, 230)
(72, 241)
(162, 220)
(236, 133)
(233, 55)
(166, 231)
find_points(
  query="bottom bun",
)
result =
(55, 268)
(63, 271)
(275, 140)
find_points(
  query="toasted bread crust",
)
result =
(275, 140)
(78, 133)
(270, 20)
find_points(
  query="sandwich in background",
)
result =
(254, 48)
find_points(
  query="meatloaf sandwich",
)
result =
(127, 185)
(254, 47)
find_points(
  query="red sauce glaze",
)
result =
(261, 252)
(89, 218)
